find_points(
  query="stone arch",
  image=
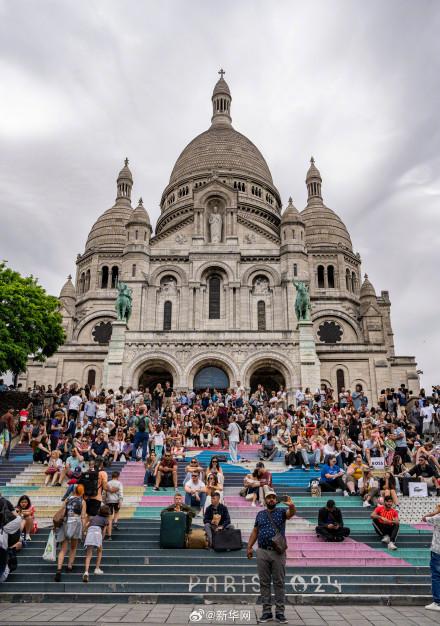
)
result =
(270, 360)
(338, 314)
(98, 370)
(155, 358)
(216, 190)
(93, 316)
(212, 266)
(271, 274)
(178, 273)
(217, 358)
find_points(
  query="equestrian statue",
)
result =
(302, 302)
(123, 302)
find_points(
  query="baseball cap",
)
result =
(77, 470)
(260, 464)
(417, 444)
(270, 492)
(330, 504)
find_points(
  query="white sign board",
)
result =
(378, 462)
(417, 490)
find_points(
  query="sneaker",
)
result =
(303, 466)
(266, 617)
(352, 494)
(58, 576)
(392, 546)
(253, 504)
(365, 504)
(317, 467)
(433, 607)
(115, 526)
(385, 539)
(200, 514)
(156, 489)
(261, 503)
(144, 485)
(108, 538)
(346, 494)
(307, 468)
(290, 467)
(98, 571)
(281, 619)
(28, 538)
(176, 489)
(86, 577)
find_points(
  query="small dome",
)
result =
(367, 289)
(68, 290)
(291, 214)
(109, 229)
(139, 215)
(324, 227)
(221, 87)
(125, 173)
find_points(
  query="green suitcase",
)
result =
(172, 529)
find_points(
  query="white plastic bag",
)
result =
(50, 551)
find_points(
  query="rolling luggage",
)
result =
(172, 529)
(227, 539)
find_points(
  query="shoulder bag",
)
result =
(279, 541)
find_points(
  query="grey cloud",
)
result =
(354, 84)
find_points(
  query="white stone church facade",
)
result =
(213, 299)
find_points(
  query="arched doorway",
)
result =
(155, 374)
(211, 378)
(268, 376)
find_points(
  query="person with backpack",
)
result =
(142, 424)
(94, 481)
(71, 529)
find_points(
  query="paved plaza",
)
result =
(321, 615)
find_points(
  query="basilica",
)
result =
(213, 293)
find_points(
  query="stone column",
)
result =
(309, 362)
(115, 357)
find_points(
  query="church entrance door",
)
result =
(211, 378)
(153, 375)
(269, 377)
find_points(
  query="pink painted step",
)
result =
(364, 562)
(422, 526)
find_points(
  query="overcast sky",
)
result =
(355, 84)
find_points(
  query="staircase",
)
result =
(359, 570)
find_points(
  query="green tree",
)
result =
(30, 324)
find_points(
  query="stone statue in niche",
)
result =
(169, 287)
(261, 287)
(215, 224)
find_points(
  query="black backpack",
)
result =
(89, 480)
(141, 425)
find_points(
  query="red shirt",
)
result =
(9, 419)
(168, 463)
(266, 479)
(390, 514)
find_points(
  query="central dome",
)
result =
(221, 148)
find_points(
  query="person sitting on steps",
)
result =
(330, 524)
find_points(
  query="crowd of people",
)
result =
(77, 432)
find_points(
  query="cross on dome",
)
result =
(221, 72)
(126, 161)
(141, 201)
(312, 160)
